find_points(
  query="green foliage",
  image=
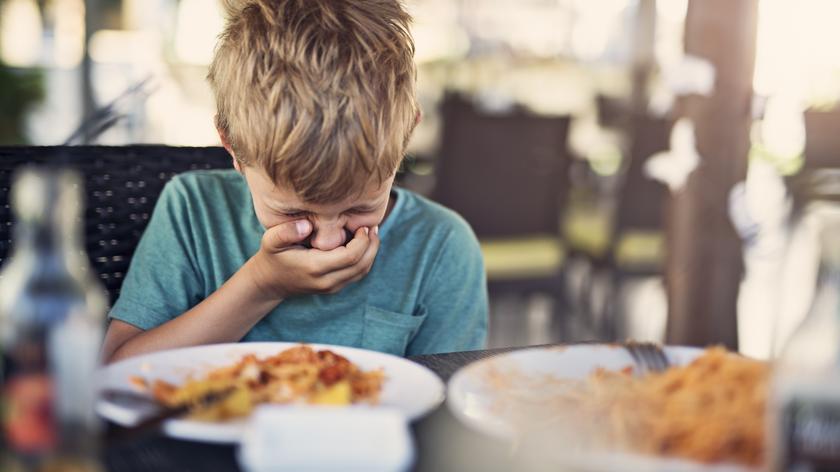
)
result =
(19, 89)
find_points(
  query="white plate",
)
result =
(475, 402)
(409, 387)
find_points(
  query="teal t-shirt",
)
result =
(426, 292)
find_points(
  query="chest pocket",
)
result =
(388, 331)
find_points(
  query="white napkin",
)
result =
(283, 438)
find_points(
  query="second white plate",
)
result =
(479, 393)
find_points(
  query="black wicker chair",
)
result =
(122, 186)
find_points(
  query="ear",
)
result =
(226, 144)
(418, 117)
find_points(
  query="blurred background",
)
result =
(633, 168)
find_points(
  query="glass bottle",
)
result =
(804, 403)
(51, 324)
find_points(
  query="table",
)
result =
(442, 443)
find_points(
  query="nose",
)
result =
(328, 236)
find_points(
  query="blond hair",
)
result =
(318, 93)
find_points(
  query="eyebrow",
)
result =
(361, 207)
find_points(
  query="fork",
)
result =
(649, 357)
(156, 413)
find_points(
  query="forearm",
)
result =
(227, 315)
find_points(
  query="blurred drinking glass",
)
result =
(804, 407)
(51, 324)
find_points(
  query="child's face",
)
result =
(274, 205)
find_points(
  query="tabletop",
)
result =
(442, 442)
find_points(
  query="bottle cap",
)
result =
(41, 193)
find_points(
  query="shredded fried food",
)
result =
(711, 410)
(296, 375)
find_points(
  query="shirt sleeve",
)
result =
(163, 279)
(455, 298)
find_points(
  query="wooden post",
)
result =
(644, 58)
(704, 266)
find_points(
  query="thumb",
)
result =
(286, 234)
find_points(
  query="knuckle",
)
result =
(348, 258)
(265, 241)
(359, 256)
(310, 267)
(323, 285)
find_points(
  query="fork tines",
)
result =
(648, 356)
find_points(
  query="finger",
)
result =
(361, 238)
(284, 235)
(343, 256)
(366, 262)
(357, 271)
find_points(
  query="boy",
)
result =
(306, 240)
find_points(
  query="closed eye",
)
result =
(359, 211)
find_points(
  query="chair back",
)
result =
(641, 199)
(122, 185)
(506, 174)
(822, 139)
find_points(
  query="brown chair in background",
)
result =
(507, 175)
(638, 248)
(635, 246)
(819, 178)
(822, 139)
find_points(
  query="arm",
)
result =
(455, 298)
(210, 321)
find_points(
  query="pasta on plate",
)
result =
(711, 410)
(299, 374)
